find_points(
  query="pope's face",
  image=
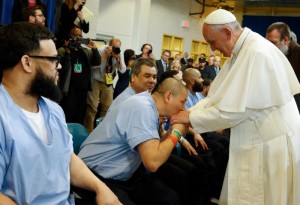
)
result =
(217, 39)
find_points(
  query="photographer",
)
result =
(147, 52)
(71, 11)
(103, 75)
(76, 72)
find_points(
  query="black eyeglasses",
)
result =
(55, 59)
(40, 15)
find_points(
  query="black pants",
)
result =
(185, 178)
(74, 105)
(142, 189)
(297, 99)
(212, 161)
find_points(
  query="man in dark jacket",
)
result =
(279, 34)
(76, 75)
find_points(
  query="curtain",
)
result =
(51, 6)
(6, 8)
(5, 11)
(260, 24)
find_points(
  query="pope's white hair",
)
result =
(233, 25)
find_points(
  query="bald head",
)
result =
(115, 42)
(170, 97)
(170, 84)
(190, 73)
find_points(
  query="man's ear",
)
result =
(31, 19)
(192, 81)
(133, 77)
(26, 63)
(168, 96)
(228, 33)
(286, 40)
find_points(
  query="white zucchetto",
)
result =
(220, 16)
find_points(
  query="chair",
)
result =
(80, 133)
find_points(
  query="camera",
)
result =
(80, 7)
(116, 50)
(76, 43)
(133, 57)
(149, 51)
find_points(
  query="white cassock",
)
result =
(253, 95)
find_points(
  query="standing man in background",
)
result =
(184, 59)
(252, 95)
(162, 64)
(279, 34)
(76, 74)
(102, 86)
(213, 70)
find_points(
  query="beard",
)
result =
(197, 87)
(43, 85)
(284, 49)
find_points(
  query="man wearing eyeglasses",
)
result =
(34, 15)
(37, 163)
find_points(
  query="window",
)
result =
(197, 48)
(173, 44)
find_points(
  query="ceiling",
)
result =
(231, 4)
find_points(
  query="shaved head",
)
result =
(170, 84)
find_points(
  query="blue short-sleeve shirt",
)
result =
(110, 150)
(32, 171)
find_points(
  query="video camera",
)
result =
(75, 43)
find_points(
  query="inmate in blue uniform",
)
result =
(110, 150)
(31, 171)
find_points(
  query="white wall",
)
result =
(166, 17)
(137, 22)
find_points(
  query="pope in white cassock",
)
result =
(252, 95)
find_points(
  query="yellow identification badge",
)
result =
(109, 78)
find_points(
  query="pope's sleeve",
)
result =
(211, 119)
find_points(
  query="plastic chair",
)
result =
(80, 133)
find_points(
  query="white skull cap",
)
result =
(220, 16)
